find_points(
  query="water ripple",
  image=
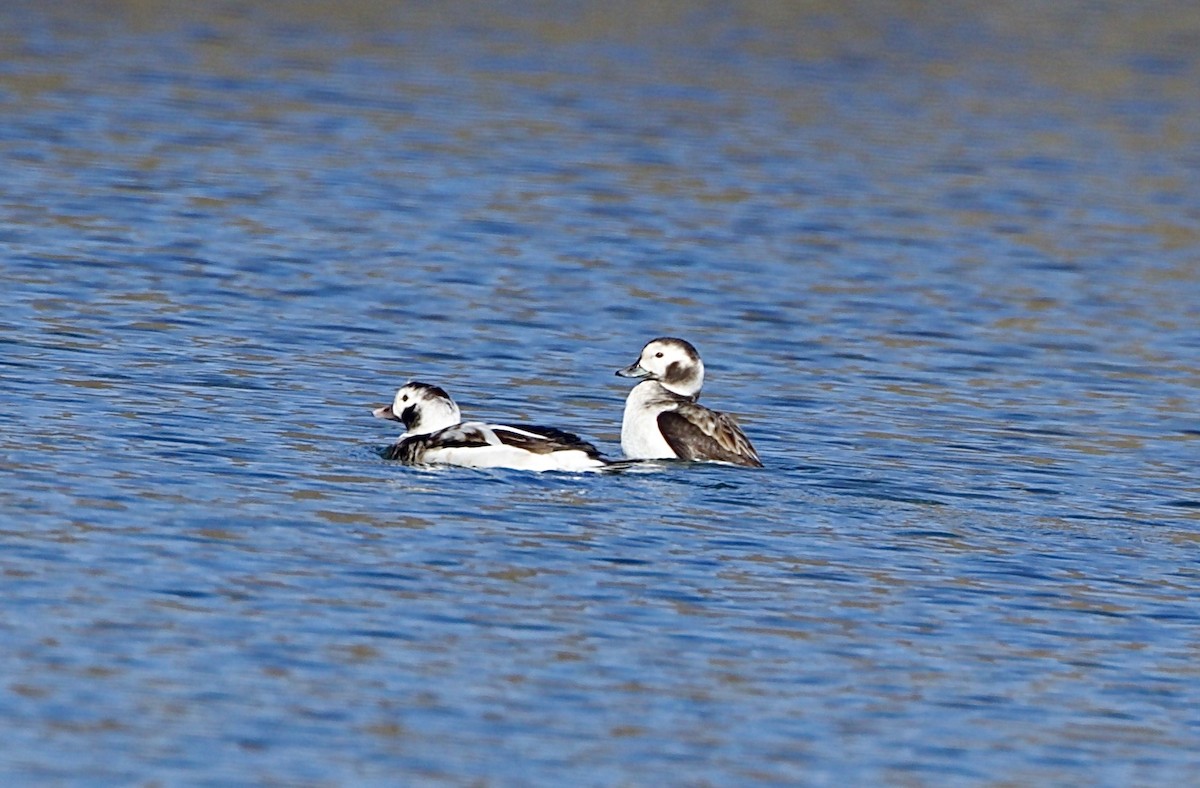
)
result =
(953, 304)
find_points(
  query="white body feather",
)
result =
(498, 454)
(641, 439)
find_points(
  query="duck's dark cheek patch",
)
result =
(409, 416)
(674, 372)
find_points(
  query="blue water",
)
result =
(944, 266)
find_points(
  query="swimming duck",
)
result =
(435, 434)
(663, 417)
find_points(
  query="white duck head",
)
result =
(421, 408)
(674, 363)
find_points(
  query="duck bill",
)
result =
(634, 370)
(385, 412)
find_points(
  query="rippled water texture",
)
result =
(943, 264)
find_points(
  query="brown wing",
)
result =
(539, 440)
(543, 440)
(696, 433)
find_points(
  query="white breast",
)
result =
(640, 437)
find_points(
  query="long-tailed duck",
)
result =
(663, 418)
(435, 434)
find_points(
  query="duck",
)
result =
(663, 416)
(435, 434)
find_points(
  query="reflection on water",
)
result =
(940, 262)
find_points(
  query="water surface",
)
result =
(942, 264)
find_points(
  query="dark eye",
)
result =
(658, 354)
(404, 398)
